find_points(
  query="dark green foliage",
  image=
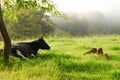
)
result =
(29, 24)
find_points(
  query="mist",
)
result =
(92, 22)
(89, 16)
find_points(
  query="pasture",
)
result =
(65, 60)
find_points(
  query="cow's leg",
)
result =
(32, 55)
(21, 55)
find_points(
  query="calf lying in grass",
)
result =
(98, 52)
(25, 49)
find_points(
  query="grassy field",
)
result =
(65, 61)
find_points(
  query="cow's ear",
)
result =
(42, 35)
(41, 38)
(100, 48)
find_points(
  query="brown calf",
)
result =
(98, 52)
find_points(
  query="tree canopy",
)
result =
(10, 7)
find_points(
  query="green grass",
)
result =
(65, 61)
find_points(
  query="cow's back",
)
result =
(24, 48)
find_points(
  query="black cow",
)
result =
(25, 49)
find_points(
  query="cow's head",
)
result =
(100, 50)
(41, 43)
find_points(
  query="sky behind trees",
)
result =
(110, 9)
(90, 16)
(103, 6)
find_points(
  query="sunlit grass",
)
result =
(65, 61)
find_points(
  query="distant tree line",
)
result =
(94, 23)
(31, 23)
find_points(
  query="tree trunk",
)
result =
(5, 37)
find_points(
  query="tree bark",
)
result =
(5, 37)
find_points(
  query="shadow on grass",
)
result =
(115, 48)
(65, 63)
(68, 66)
(89, 67)
(116, 75)
(10, 65)
(41, 58)
(114, 58)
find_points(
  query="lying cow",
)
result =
(25, 49)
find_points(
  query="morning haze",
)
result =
(90, 16)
